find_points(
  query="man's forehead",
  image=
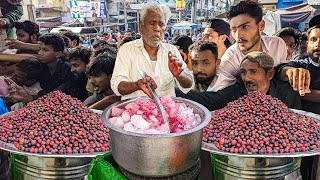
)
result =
(241, 20)
(247, 64)
(209, 30)
(199, 55)
(315, 33)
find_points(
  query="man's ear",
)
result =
(218, 61)
(33, 38)
(58, 54)
(223, 37)
(74, 43)
(261, 25)
(270, 73)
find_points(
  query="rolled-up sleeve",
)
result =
(121, 70)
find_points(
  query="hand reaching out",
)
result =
(175, 65)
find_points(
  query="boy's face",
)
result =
(100, 83)
(23, 36)
(48, 54)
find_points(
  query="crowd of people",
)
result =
(229, 60)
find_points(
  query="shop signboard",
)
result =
(180, 5)
(87, 9)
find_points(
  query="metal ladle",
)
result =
(156, 98)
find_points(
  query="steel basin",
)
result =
(157, 155)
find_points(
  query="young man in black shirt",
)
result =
(79, 58)
(100, 70)
(57, 73)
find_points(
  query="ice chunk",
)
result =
(132, 108)
(117, 122)
(139, 122)
(152, 131)
(129, 127)
(125, 116)
(116, 111)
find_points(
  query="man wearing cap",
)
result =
(182, 43)
(218, 31)
(10, 12)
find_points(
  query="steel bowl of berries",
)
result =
(141, 145)
(53, 137)
(259, 137)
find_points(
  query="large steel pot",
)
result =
(157, 155)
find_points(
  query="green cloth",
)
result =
(103, 167)
(11, 14)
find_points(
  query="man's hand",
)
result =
(299, 78)
(174, 65)
(142, 85)
(15, 44)
(17, 93)
(2, 22)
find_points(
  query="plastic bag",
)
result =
(103, 167)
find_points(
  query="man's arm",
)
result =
(15, 44)
(15, 58)
(180, 71)
(213, 100)
(294, 72)
(314, 96)
(13, 15)
(105, 102)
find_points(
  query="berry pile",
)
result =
(55, 124)
(260, 124)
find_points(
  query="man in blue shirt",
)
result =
(3, 107)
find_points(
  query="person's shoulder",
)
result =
(272, 40)
(232, 51)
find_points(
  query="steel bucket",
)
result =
(157, 155)
(240, 168)
(36, 168)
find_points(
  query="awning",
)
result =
(77, 30)
(183, 25)
(296, 14)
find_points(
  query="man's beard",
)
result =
(204, 81)
(255, 40)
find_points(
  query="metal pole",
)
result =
(118, 4)
(138, 20)
(125, 16)
(194, 12)
(180, 16)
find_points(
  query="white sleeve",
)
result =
(121, 70)
(229, 68)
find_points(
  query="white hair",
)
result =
(157, 8)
